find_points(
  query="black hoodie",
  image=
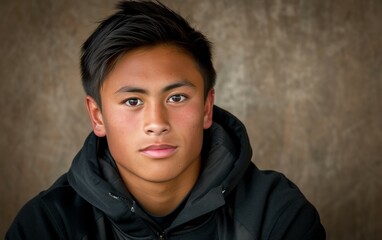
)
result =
(232, 199)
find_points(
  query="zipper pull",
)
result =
(113, 196)
(162, 236)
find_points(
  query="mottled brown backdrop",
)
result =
(304, 76)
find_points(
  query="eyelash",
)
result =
(182, 96)
(130, 99)
(140, 102)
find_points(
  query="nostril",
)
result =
(157, 130)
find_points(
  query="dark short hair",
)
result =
(139, 24)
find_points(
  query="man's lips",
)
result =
(159, 151)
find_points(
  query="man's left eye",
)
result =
(177, 98)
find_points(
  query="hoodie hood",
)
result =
(241, 150)
(226, 155)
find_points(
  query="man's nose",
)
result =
(156, 121)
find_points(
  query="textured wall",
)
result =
(305, 77)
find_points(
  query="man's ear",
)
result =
(95, 115)
(208, 109)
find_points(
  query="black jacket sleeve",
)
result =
(271, 207)
(34, 221)
(300, 220)
(58, 213)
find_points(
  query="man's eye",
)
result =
(133, 102)
(177, 98)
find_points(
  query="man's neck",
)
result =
(161, 198)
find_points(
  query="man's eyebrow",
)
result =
(182, 83)
(130, 89)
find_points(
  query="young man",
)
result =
(162, 162)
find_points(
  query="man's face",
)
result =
(153, 113)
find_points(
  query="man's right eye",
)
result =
(133, 102)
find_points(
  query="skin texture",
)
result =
(153, 115)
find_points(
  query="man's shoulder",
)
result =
(267, 202)
(59, 209)
(266, 185)
(59, 199)
(59, 193)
